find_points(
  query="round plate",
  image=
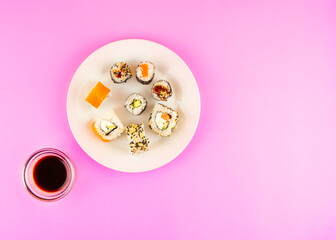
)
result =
(168, 66)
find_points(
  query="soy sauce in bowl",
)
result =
(50, 173)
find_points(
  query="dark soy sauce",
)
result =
(50, 173)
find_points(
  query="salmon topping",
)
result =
(97, 95)
(144, 70)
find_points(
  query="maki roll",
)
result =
(109, 127)
(135, 104)
(161, 90)
(163, 120)
(145, 72)
(97, 95)
(136, 138)
(120, 72)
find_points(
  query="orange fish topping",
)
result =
(144, 70)
(165, 116)
(97, 95)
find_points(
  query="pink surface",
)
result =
(262, 163)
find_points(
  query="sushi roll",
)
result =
(109, 127)
(163, 120)
(145, 72)
(161, 90)
(135, 104)
(136, 138)
(97, 95)
(120, 72)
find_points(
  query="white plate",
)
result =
(116, 154)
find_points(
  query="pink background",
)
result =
(262, 164)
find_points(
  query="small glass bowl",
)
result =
(28, 178)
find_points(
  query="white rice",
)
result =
(111, 117)
(129, 101)
(125, 74)
(162, 97)
(151, 72)
(172, 122)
